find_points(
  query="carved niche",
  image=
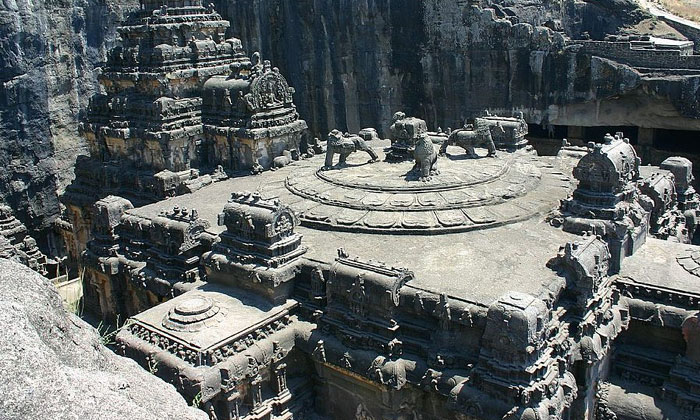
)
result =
(268, 90)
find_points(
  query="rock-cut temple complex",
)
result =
(393, 273)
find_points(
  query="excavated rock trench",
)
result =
(353, 64)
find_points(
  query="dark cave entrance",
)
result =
(677, 141)
(597, 133)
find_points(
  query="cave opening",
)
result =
(683, 141)
(547, 131)
(596, 133)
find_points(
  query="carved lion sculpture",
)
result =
(425, 157)
(344, 145)
(469, 139)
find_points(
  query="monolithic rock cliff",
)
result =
(49, 51)
(353, 64)
(54, 365)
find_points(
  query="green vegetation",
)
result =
(108, 332)
(76, 308)
(197, 400)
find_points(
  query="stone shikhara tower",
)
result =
(182, 106)
(180, 95)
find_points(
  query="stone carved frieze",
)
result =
(268, 89)
(204, 357)
(237, 345)
(388, 372)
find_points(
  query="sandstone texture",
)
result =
(55, 366)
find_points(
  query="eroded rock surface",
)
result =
(55, 366)
(353, 64)
(48, 57)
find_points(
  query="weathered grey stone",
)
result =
(440, 59)
(48, 54)
(57, 366)
(284, 307)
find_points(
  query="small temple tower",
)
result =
(182, 106)
(607, 200)
(249, 117)
(259, 249)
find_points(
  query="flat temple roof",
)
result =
(478, 266)
(656, 263)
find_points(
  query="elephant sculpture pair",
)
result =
(424, 152)
(345, 144)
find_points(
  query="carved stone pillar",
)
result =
(256, 387)
(281, 376)
(233, 406)
(104, 296)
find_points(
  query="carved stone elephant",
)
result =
(469, 139)
(425, 157)
(344, 145)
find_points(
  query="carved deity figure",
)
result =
(425, 158)
(256, 65)
(318, 284)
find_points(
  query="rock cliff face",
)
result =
(356, 62)
(353, 64)
(54, 365)
(48, 54)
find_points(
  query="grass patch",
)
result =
(76, 307)
(197, 400)
(108, 332)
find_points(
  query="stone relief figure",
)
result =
(319, 352)
(469, 139)
(362, 413)
(313, 147)
(344, 145)
(388, 372)
(404, 133)
(257, 168)
(256, 63)
(425, 157)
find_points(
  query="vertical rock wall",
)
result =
(48, 54)
(353, 64)
(348, 59)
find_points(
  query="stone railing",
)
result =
(637, 57)
(628, 287)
